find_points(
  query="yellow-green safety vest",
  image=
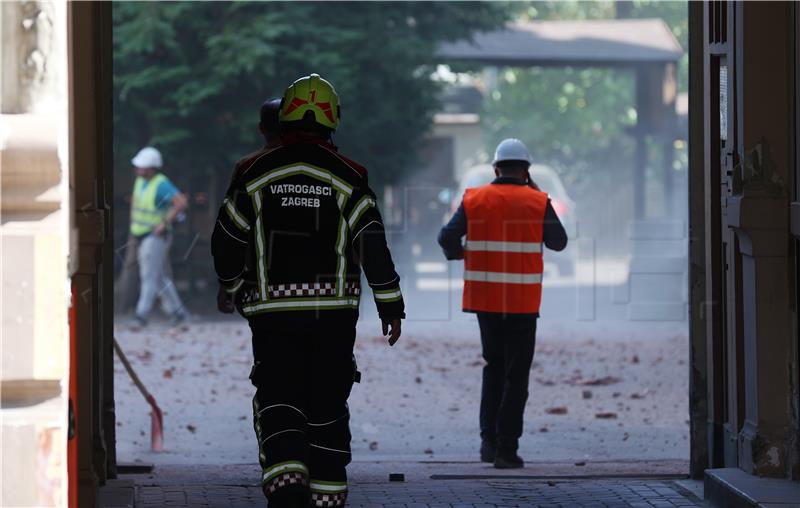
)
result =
(146, 214)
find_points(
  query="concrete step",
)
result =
(733, 488)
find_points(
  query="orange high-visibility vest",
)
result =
(503, 255)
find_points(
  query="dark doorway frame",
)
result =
(700, 428)
(92, 450)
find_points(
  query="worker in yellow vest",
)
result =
(506, 223)
(155, 205)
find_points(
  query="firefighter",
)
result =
(269, 127)
(506, 223)
(304, 220)
(155, 206)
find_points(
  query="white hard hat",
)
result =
(511, 149)
(148, 157)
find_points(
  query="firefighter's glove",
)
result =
(227, 295)
(224, 301)
(391, 328)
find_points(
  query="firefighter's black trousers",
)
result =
(508, 342)
(303, 375)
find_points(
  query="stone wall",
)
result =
(33, 40)
(33, 264)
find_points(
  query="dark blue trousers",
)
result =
(508, 341)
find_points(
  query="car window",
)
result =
(549, 182)
(545, 182)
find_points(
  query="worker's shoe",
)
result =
(488, 451)
(508, 460)
(179, 317)
(139, 320)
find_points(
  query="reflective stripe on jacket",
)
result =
(503, 254)
(145, 214)
(299, 222)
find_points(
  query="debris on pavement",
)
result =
(603, 381)
(405, 405)
(610, 415)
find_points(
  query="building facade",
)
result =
(33, 254)
(744, 230)
(744, 268)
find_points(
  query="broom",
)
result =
(156, 419)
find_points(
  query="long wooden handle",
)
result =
(131, 373)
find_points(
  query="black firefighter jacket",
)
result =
(294, 229)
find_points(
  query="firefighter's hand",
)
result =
(392, 329)
(224, 301)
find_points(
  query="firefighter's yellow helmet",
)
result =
(310, 94)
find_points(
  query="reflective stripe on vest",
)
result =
(478, 245)
(503, 253)
(146, 214)
(506, 278)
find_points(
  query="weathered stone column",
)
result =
(759, 216)
(31, 56)
(758, 211)
(34, 253)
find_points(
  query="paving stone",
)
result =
(440, 494)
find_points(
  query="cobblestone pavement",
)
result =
(447, 493)
(424, 490)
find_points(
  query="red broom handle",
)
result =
(131, 373)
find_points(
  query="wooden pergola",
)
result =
(644, 46)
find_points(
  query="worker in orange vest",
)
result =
(506, 222)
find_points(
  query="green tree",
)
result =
(189, 77)
(576, 119)
(569, 117)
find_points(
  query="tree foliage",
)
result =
(189, 77)
(576, 119)
(566, 116)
